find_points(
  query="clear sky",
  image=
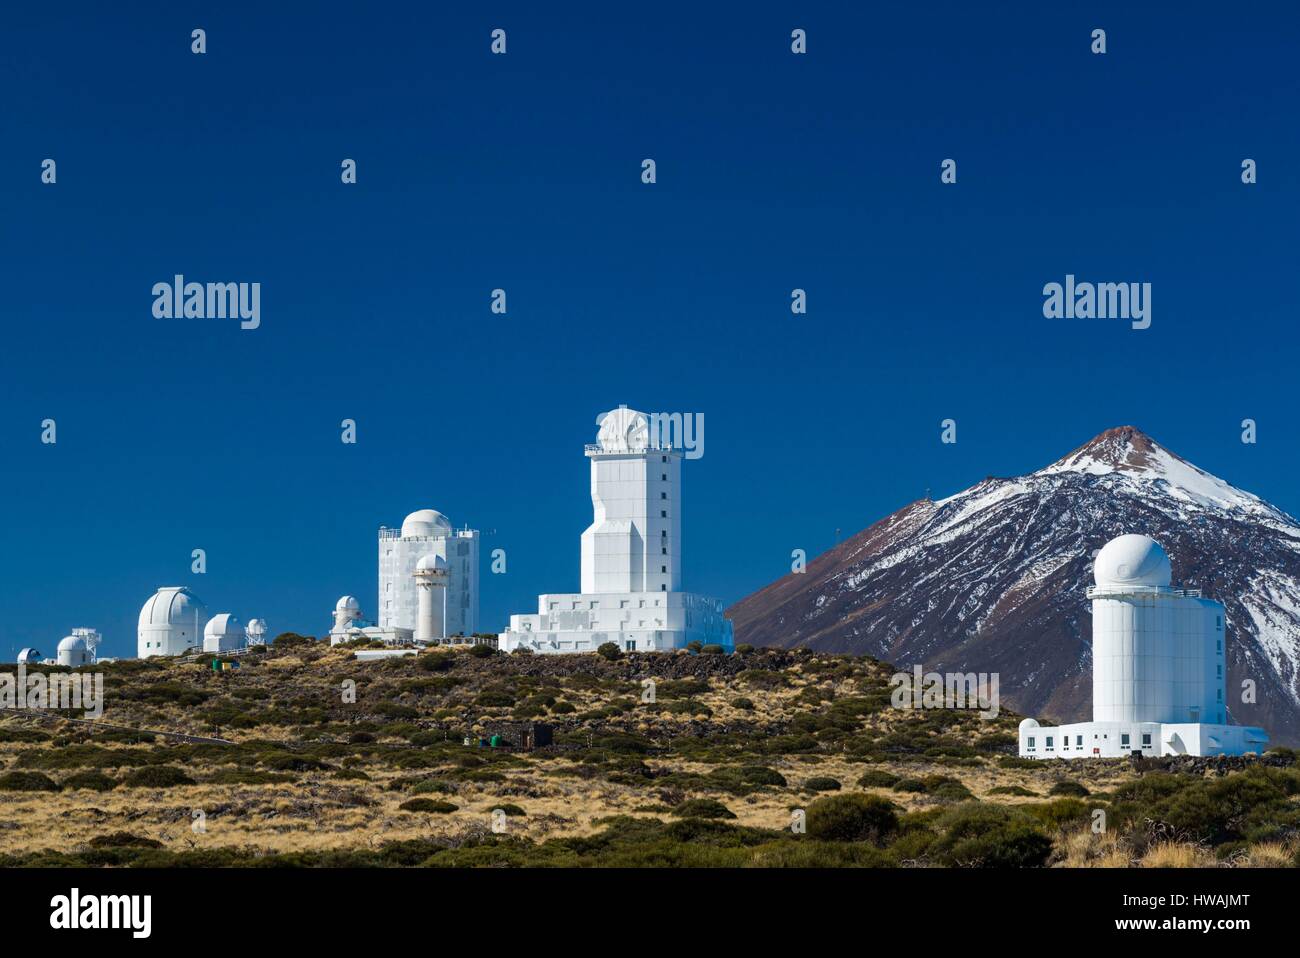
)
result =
(522, 171)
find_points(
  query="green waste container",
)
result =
(495, 740)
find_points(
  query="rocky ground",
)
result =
(305, 755)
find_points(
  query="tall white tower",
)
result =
(431, 580)
(1157, 652)
(634, 543)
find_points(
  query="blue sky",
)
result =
(522, 171)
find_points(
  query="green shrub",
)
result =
(156, 776)
(743, 704)
(702, 808)
(608, 650)
(482, 651)
(289, 640)
(878, 778)
(989, 836)
(27, 782)
(711, 650)
(123, 840)
(822, 783)
(852, 818)
(514, 811)
(92, 779)
(427, 805)
(761, 775)
(1068, 789)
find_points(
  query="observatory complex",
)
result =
(428, 585)
(175, 621)
(631, 557)
(1158, 668)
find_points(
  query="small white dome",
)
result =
(29, 656)
(347, 604)
(223, 624)
(1028, 724)
(256, 626)
(425, 522)
(431, 563)
(73, 643)
(1132, 560)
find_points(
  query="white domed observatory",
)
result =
(223, 633)
(73, 652)
(256, 630)
(171, 622)
(427, 532)
(631, 557)
(1158, 667)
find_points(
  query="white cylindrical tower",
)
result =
(1157, 653)
(346, 611)
(431, 580)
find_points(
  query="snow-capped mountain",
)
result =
(994, 579)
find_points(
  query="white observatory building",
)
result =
(427, 532)
(631, 557)
(78, 648)
(1158, 668)
(256, 630)
(171, 622)
(224, 633)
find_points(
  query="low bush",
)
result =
(852, 818)
(427, 805)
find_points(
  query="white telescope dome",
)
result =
(73, 643)
(29, 656)
(431, 563)
(347, 604)
(1027, 724)
(223, 624)
(425, 522)
(1132, 560)
(172, 605)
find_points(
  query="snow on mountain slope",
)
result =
(994, 579)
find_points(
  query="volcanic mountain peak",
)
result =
(1125, 448)
(1128, 453)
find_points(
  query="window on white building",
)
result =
(1123, 740)
(1146, 739)
(1078, 741)
(1049, 741)
(1030, 746)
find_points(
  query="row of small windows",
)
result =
(1049, 741)
(593, 604)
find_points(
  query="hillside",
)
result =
(707, 774)
(993, 579)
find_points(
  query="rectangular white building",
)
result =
(427, 532)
